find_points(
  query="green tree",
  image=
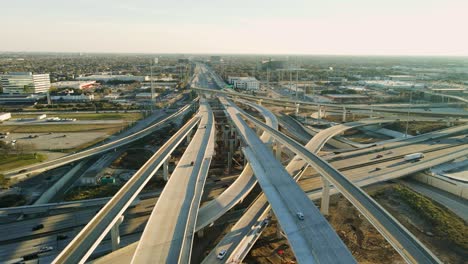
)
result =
(4, 182)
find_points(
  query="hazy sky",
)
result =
(388, 27)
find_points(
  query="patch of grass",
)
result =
(90, 116)
(12, 161)
(91, 192)
(107, 128)
(12, 200)
(446, 224)
(414, 127)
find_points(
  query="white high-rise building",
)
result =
(25, 83)
(246, 83)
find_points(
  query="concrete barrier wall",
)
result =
(58, 185)
(459, 189)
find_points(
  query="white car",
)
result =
(46, 248)
(300, 215)
(221, 254)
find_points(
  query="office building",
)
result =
(245, 83)
(25, 83)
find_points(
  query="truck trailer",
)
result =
(414, 156)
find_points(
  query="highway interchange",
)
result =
(178, 213)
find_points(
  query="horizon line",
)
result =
(263, 54)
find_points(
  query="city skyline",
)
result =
(295, 27)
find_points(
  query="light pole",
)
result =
(407, 118)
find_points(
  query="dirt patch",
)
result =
(443, 232)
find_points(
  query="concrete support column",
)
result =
(297, 109)
(278, 150)
(344, 114)
(259, 102)
(319, 111)
(201, 233)
(166, 169)
(278, 231)
(189, 137)
(325, 204)
(225, 137)
(230, 154)
(115, 234)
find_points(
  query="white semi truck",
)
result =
(414, 156)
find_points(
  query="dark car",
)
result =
(62, 237)
(37, 227)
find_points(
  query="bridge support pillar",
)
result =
(166, 169)
(325, 204)
(201, 233)
(279, 235)
(297, 109)
(278, 151)
(319, 111)
(230, 154)
(344, 114)
(225, 137)
(115, 234)
(259, 102)
(189, 137)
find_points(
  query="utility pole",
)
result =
(407, 118)
(297, 82)
(152, 87)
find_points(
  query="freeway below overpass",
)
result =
(168, 235)
(86, 241)
(310, 236)
(37, 168)
(397, 235)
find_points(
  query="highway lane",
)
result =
(168, 235)
(397, 235)
(25, 242)
(85, 242)
(311, 238)
(349, 107)
(364, 175)
(245, 232)
(215, 208)
(36, 168)
(53, 208)
(247, 229)
(435, 135)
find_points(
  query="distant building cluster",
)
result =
(25, 83)
(107, 78)
(391, 84)
(74, 98)
(273, 65)
(245, 83)
(75, 84)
